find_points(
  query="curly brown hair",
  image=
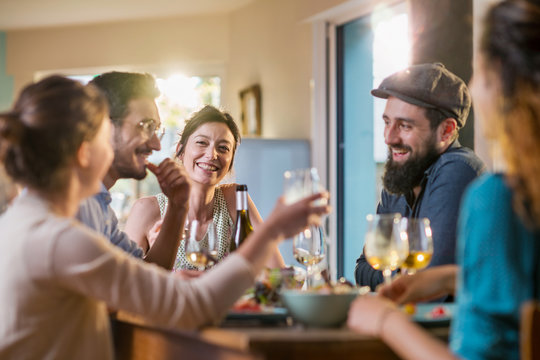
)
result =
(511, 44)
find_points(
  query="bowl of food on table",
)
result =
(322, 306)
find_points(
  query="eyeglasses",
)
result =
(150, 128)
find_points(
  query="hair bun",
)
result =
(11, 130)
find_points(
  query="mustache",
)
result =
(143, 150)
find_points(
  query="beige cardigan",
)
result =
(57, 279)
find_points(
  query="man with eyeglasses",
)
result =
(136, 134)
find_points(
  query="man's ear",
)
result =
(83, 154)
(447, 128)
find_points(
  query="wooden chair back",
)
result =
(530, 331)
(140, 342)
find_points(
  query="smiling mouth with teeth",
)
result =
(207, 167)
(399, 153)
(144, 156)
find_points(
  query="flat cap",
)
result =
(429, 86)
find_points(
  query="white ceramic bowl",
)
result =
(318, 310)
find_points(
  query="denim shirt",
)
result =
(96, 213)
(442, 187)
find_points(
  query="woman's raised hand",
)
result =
(288, 220)
(423, 286)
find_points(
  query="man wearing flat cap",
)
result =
(427, 169)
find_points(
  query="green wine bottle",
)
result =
(243, 226)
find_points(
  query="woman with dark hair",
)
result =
(499, 228)
(58, 277)
(206, 149)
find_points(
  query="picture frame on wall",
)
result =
(250, 99)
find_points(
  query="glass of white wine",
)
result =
(418, 232)
(309, 246)
(386, 246)
(201, 245)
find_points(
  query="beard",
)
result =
(127, 170)
(401, 178)
(124, 165)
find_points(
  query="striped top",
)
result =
(222, 222)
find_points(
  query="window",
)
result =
(388, 57)
(368, 48)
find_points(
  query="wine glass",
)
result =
(201, 246)
(301, 183)
(386, 246)
(309, 246)
(418, 232)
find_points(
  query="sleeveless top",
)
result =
(222, 222)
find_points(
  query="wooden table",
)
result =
(136, 340)
(296, 342)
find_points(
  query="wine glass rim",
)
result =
(413, 220)
(371, 217)
(290, 173)
(193, 234)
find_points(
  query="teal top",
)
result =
(498, 257)
(222, 222)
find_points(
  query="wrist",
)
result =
(452, 278)
(180, 208)
(270, 231)
(449, 279)
(383, 319)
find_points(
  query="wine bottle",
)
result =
(243, 226)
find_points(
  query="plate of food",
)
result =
(262, 303)
(431, 315)
(261, 315)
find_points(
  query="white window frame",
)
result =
(324, 101)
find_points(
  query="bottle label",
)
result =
(241, 200)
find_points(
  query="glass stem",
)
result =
(309, 277)
(387, 274)
(411, 271)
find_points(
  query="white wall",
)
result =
(271, 47)
(168, 43)
(271, 44)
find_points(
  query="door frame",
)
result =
(324, 100)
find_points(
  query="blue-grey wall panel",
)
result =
(260, 163)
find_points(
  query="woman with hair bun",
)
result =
(58, 277)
